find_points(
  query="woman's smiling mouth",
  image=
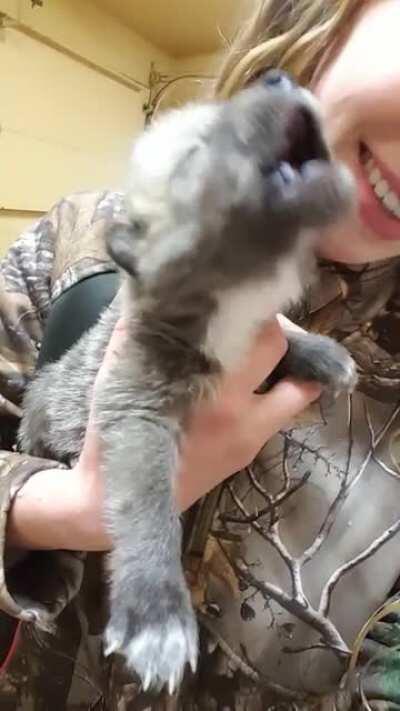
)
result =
(379, 193)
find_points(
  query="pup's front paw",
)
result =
(157, 641)
(319, 358)
(323, 359)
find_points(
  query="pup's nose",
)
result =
(277, 79)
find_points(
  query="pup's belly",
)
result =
(242, 310)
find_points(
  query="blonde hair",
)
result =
(294, 35)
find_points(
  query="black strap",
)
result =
(74, 312)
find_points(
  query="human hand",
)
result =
(64, 508)
(226, 434)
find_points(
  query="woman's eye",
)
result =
(257, 75)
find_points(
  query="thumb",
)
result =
(285, 401)
(113, 349)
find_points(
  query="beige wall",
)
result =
(199, 63)
(11, 227)
(187, 89)
(64, 126)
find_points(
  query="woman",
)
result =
(288, 560)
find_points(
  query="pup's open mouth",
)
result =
(305, 145)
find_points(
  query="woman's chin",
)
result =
(351, 244)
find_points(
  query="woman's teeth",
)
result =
(385, 193)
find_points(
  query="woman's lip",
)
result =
(372, 213)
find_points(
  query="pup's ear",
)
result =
(120, 243)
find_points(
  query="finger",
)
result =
(117, 338)
(270, 345)
(113, 349)
(277, 408)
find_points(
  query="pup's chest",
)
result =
(242, 310)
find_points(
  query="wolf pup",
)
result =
(224, 204)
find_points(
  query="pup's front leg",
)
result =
(152, 622)
(312, 357)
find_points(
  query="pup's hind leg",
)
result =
(152, 622)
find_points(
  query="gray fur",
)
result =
(213, 221)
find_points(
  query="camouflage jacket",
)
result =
(289, 562)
